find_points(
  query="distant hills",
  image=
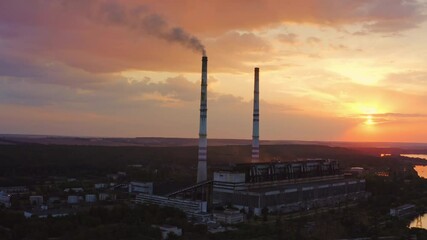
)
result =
(176, 142)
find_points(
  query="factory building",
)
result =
(141, 187)
(285, 187)
(196, 209)
(282, 187)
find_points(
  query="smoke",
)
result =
(157, 26)
(140, 19)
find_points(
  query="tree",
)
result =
(264, 213)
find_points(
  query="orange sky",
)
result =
(345, 70)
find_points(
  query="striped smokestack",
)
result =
(255, 130)
(203, 143)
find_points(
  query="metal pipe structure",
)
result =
(255, 129)
(203, 142)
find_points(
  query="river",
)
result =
(420, 221)
(421, 170)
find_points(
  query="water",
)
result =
(423, 156)
(421, 170)
(420, 221)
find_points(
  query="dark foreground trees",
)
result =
(117, 222)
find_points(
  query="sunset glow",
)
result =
(354, 72)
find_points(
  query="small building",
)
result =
(54, 200)
(357, 170)
(36, 200)
(168, 229)
(103, 196)
(73, 199)
(101, 185)
(141, 187)
(229, 216)
(90, 198)
(107, 196)
(404, 210)
(15, 190)
(44, 213)
(5, 199)
(76, 190)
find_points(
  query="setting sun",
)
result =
(369, 120)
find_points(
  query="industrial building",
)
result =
(141, 187)
(255, 186)
(404, 210)
(285, 187)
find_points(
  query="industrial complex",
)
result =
(259, 186)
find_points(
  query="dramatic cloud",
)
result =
(132, 68)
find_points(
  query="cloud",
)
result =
(313, 40)
(289, 38)
(397, 115)
(238, 52)
(70, 58)
(390, 118)
(252, 14)
(112, 36)
(406, 81)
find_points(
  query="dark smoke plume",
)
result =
(140, 20)
(157, 26)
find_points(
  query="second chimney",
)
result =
(255, 129)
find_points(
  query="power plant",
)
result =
(257, 186)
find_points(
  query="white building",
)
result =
(187, 206)
(90, 198)
(141, 187)
(73, 199)
(107, 196)
(5, 199)
(229, 216)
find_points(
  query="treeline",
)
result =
(26, 162)
(119, 222)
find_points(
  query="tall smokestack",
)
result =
(255, 130)
(203, 143)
